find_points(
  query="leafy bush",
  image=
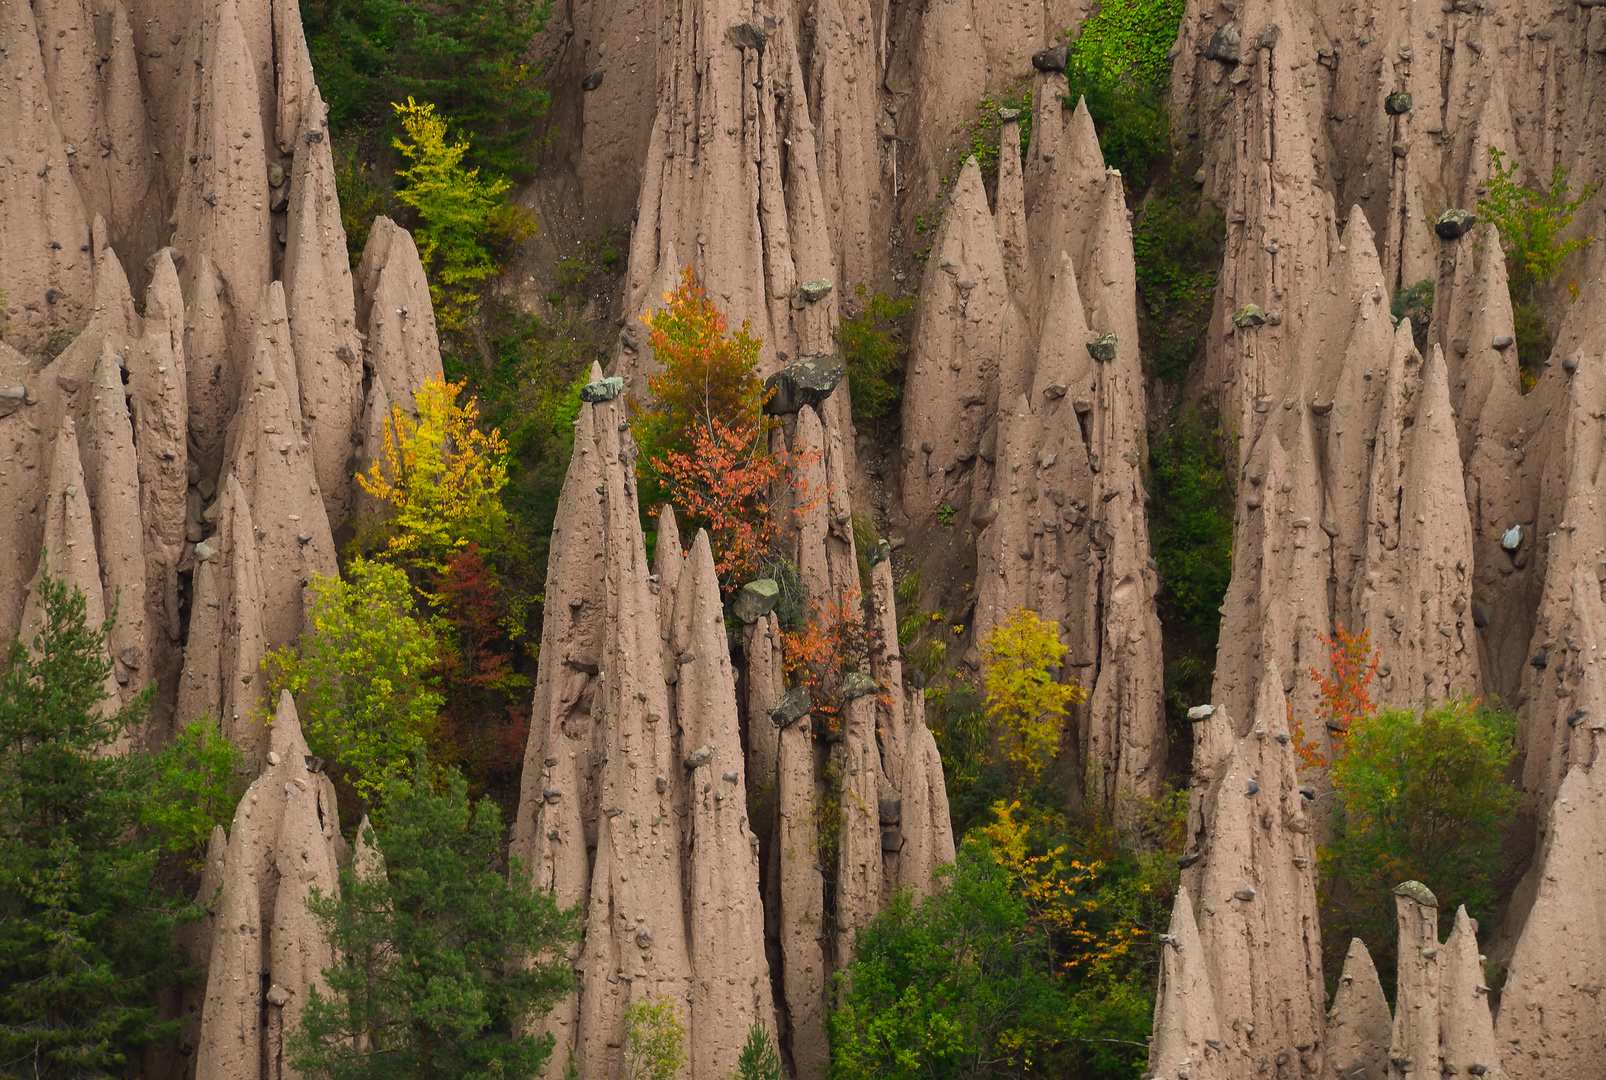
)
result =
(1176, 244)
(1027, 702)
(833, 642)
(873, 350)
(1020, 964)
(1191, 527)
(363, 197)
(1420, 797)
(194, 787)
(1415, 303)
(441, 959)
(363, 676)
(655, 1039)
(1119, 63)
(465, 223)
(469, 56)
(1129, 114)
(1530, 223)
(86, 933)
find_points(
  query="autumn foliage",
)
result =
(1346, 695)
(1026, 701)
(485, 716)
(705, 439)
(832, 642)
(441, 476)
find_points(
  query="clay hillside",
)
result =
(932, 538)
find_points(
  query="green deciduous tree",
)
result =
(363, 675)
(1026, 701)
(85, 933)
(441, 957)
(958, 986)
(1421, 797)
(655, 1039)
(464, 221)
(194, 787)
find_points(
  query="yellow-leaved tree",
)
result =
(1026, 701)
(464, 221)
(442, 478)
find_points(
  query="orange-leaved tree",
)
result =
(705, 439)
(833, 643)
(1346, 688)
(442, 478)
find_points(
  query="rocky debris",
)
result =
(756, 599)
(1454, 224)
(602, 390)
(1359, 1025)
(1055, 59)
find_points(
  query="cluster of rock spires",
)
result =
(187, 459)
(681, 814)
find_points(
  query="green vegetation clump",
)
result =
(86, 930)
(1415, 303)
(1032, 957)
(1530, 224)
(1421, 798)
(442, 957)
(981, 136)
(1190, 529)
(1190, 537)
(873, 350)
(655, 1039)
(1177, 244)
(1119, 63)
(469, 57)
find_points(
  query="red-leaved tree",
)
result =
(1346, 694)
(485, 721)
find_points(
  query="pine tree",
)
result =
(85, 932)
(442, 956)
